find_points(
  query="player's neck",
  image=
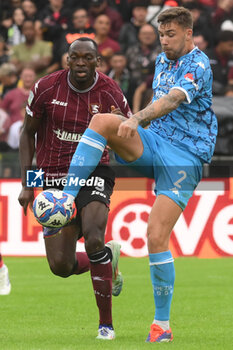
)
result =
(79, 86)
(187, 50)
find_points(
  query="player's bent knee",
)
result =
(97, 120)
(61, 268)
(104, 122)
(94, 244)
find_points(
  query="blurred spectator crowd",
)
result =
(35, 36)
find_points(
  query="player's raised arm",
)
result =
(26, 153)
(158, 108)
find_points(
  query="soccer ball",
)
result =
(53, 208)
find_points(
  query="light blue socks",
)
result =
(84, 161)
(162, 277)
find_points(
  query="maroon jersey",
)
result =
(66, 113)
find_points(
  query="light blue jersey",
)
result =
(193, 125)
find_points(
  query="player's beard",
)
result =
(173, 55)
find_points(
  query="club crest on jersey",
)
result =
(189, 77)
(95, 108)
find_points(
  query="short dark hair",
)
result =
(180, 15)
(85, 38)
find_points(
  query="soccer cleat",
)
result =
(159, 335)
(117, 284)
(105, 332)
(5, 286)
(117, 279)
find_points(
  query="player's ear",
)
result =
(98, 61)
(189, 33)
(68, 60)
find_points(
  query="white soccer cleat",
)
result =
(117, 279)
(105, 333)
(5, 286)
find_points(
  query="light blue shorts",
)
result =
(176, 171)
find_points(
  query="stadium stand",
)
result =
(53, 21)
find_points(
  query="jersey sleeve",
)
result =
(194, 76)
(36, 100)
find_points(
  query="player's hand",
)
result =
(128, 128)
(116, 110)
(26, 198)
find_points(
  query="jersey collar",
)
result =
(82, 91)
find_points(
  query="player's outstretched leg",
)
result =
(5, 286)
(117, 279)
(162, 278)
(165, 213)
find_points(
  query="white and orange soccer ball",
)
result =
(53, 208)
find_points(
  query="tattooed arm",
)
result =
(157, 109)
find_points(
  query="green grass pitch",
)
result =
(45, 312)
